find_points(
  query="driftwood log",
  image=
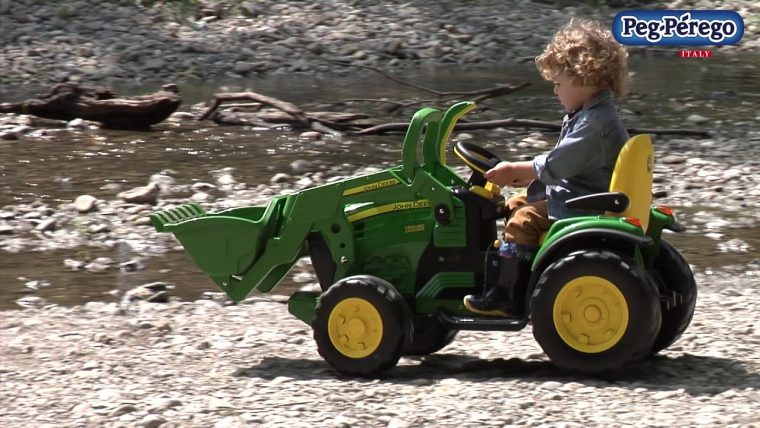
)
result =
(287, 114)
(68, 101)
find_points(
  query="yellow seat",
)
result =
(633, 177)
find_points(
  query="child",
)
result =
(587, 67)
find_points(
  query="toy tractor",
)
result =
(396, 251)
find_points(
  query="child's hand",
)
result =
(517, 174)
(502, 174)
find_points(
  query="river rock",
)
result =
(123, 410)
(697, 119)
(47, 224)
(76, 124)
(157, 292)
(132, 265)
(310, 135)
(74, 264)
(301, 166)
(13, 133)
(31, 302)
(6, 229)
(96, 267)
(84, 203)
(203, 187)
(152, 421)
(142, 195)
(280, 177)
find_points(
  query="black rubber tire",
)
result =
(673, 274)
(429, 335)
(638, 290)
(394, 316)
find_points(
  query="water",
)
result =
(58, 165)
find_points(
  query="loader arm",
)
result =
(254, 247)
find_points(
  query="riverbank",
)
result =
(142, 41)
(204, 364)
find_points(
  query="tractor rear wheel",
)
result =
(430, 336)
(361, 326)
(674, 275)
(595, 312)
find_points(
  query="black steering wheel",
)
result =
(477, 158)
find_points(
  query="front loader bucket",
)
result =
(224, 243)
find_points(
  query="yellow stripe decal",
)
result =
(371, 186)
(470, 164)
(396, 206)
(445, 136)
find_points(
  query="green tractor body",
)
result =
(396, 251)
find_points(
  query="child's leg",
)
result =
(528, 222)
(514, 203)
(524, 228)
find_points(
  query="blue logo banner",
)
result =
(678, 27)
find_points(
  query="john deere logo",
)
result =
(678, 27)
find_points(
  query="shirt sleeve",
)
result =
(581, 150)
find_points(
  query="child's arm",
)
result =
(512, 174)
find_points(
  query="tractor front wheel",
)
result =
(361, 326)
(595, 312)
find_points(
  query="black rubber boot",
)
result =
(505, 298)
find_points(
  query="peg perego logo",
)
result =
(678, 27)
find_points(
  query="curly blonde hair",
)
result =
(588, 53)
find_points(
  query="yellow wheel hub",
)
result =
(590, 314)
(355, 327)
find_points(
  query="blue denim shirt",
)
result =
(583, 160)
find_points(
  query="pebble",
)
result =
(151, 292)
(141, 195)
(551, 385)
(152, 421)
(310, 135)
(280, 177)
(6, 229)
(48, 224)
(74, 264)
(123, 410)
(84, 203)
(697, 119)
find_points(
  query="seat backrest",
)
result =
(633, 176)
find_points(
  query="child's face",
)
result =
(571, 95)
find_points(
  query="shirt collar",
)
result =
(605, 95)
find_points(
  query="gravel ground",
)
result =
(203, 364)
(43, 42)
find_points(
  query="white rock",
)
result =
(141, 195)
(697, 119)
(551, 385)
(84, 203)
(152, 421)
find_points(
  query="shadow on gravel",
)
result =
(696, 375)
